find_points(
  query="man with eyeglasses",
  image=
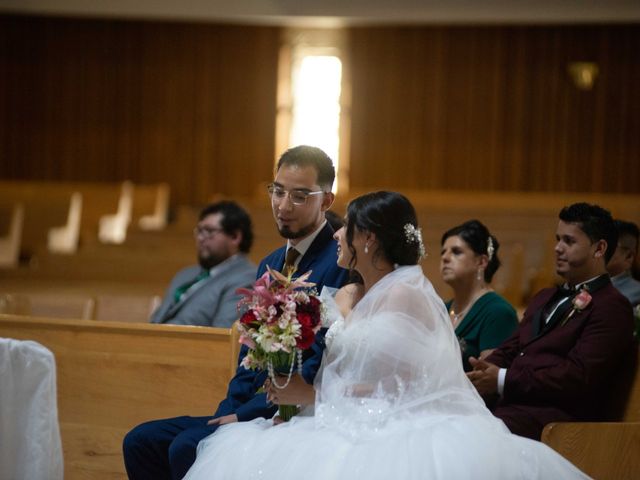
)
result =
(205, 294)
(300, 195)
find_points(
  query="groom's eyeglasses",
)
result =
(296, 196)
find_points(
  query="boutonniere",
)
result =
(579, 302)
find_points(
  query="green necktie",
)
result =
(183, 288)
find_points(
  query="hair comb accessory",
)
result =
(414, 235)
(490, 249)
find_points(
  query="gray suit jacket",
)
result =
(628, 286)
(212, 302)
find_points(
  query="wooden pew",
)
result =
(112, 376)
(524, 223)
(126, 308)
(525, 218)
(65, 238)
(156, 220)
(59, 304)
(605, 450)
(48, 304)
(47, 206)
(10, 243)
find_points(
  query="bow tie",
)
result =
(565, 291)
(591, 286)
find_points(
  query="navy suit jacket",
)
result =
(564, 373)
(320, 258)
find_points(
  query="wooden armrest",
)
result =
(10, 244)
(603, 450)
(235, 347)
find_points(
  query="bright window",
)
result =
(316, 81)
(314, 96)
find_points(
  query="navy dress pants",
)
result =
(164, 449)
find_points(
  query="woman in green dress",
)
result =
(482, 319)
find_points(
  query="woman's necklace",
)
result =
(456, 318)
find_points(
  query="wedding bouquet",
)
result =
(281, 319)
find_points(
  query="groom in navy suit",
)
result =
(560, 363)
(300, 195)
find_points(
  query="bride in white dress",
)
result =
(391, 398)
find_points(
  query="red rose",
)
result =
(306, 339)
(311, 308)
(305, 319)
(247, 318)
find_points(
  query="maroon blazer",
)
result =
(565, 372)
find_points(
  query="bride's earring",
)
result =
(366, 247)
(479, 274)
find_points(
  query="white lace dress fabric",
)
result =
(392, 402)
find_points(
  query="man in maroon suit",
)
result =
(560, 362)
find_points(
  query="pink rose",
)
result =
(581, 300)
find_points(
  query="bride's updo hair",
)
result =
(388, 215)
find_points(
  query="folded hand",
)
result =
(484, 376)
(223, 420)
(298, 392)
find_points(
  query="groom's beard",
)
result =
(286, 232)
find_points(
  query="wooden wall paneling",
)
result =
(207, 117)
(508, 116)
(457, 95)
(18, 76)
(434, 107)
(511, 128)
(431, 167)
(485, 93)
(364, 64)
(622, 117)
(247, 153)
(167, 98)
(576, 133)
(108, 100)
(426, 112)
(533, 121)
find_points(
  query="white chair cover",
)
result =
(30, 444)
